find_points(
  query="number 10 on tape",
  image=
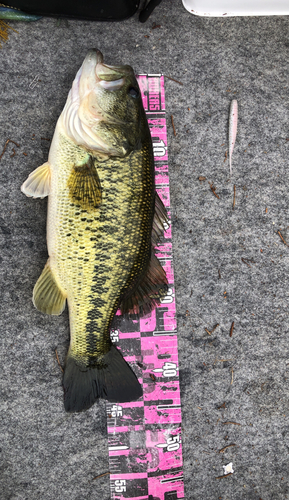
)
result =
(144, 437)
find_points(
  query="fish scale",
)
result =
(105, 263)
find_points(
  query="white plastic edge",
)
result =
(229, 8)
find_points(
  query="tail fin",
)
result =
(113, 380)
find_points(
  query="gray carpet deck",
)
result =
(230, 265)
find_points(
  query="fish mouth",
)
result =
(94, 56)
(84, 111)
(94, 71)
(103, 72)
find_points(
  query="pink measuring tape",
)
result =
(144, 437)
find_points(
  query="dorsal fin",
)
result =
(84, 185)
(154, 285)
(160, 221)
(149, 292)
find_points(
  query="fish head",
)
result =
(104, 111)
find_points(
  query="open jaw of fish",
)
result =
(104, 220)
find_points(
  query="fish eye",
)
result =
(133, 92)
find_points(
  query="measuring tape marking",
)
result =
(144, 437)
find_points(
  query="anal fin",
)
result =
(37, 185)
(47, 296)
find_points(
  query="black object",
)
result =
(146, 12)
(97, 10)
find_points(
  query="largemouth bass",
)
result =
(104, 220)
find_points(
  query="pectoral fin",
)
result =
(47, 296)
(38, 183)
(84, 185)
